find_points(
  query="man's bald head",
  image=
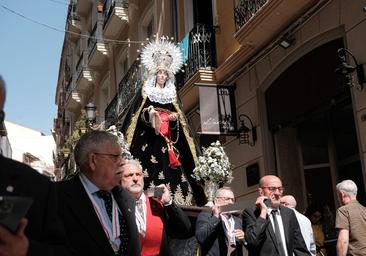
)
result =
(288, 201)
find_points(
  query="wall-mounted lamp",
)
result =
(90, 112)
(247, 133)
(345, 69)
(286, 41)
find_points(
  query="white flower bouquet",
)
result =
(213, 165)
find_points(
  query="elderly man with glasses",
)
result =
(272, 229)
(217, 232)
(98, 215)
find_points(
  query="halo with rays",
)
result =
(161, 53)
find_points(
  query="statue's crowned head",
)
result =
(162, 54)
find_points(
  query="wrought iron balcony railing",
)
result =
(68, 90)
(79, 66)
(127, 89)
(93, 38)
(245, 10)
(199, 52)
(71, 12)
(111, 112)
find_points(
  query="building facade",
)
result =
(281, 57)
(19, 145)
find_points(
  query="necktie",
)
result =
(123, 237)
(139, 206)
(277, 233)
(141, 216)
(107, 198)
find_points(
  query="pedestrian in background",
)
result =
(350, 221)
(314, 213)
(305, 224)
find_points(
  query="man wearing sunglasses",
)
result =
(272, 229)
(98, 215)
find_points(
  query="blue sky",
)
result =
(29, 60)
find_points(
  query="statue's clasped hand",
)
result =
(173, 116)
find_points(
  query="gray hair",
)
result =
(348, 187)
(133, 162)
(92, 142)
(218, 192)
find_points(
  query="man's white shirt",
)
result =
(306, 231)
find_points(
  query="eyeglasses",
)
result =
(227, 198)
(273, 189)
(2, 116)
(113, 157)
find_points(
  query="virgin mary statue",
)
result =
(157, 130)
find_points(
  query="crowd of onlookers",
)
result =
(104, 210)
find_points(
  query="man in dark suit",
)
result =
(157, 216)
(98, 215)
(271, 229)
(220, 233)
(40, 232)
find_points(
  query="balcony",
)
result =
(57, 125)
(199, 53)
(258, 21)
(72, 98)
(127, 89)
(73, 24)
(199, 56)
(115, 16)
(84, 77)
(98, 50)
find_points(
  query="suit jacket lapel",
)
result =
(84, 210)
(237, 223)
(272, 234)
(127, 206)
(286, 224)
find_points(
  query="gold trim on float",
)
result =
(135, 116)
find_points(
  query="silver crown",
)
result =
(162, 54)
